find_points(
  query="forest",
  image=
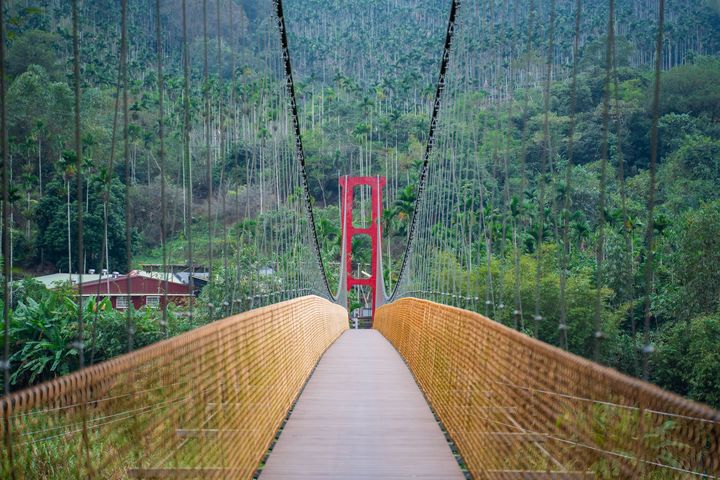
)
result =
(504, 230)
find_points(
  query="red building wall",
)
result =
(140, 287)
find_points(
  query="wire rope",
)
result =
(449, 35)
(161, 155)
(208, 156)
(544, 166)
(299, 150)
(126, 158)
(80, 342)
(6, 225)
(187, 160)
(567, 187)
(650, 232)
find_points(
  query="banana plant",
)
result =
(43, 333)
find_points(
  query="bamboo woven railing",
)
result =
(206, 404)
(519, 408)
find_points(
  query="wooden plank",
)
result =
(361, 416)
(212, 432)
(197, 432)
(515, 436)
(185, 473)
(537, 475)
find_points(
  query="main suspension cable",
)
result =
(449, 36)
(299, 150)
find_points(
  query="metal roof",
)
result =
(57, 279)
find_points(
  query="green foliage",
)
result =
(691, 174)
(34, 47)
(690, 279)
(52, 219)
(39, 122)
(397, 218)
(51, 455)
(693, 88)
(44, 331)
(674, 129)
(580, 297)
(612, 425)
(687, 360)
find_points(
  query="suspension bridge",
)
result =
(279, 387)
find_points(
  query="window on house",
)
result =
(121, 302)
(152, 301)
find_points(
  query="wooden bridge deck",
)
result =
(361, 416)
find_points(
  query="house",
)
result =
(266, 271)
(174, 268)
(199, 280)
(362, 317)
(145, 289)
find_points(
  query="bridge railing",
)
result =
(519, 408)
(204, 404)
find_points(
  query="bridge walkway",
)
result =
(361, 416)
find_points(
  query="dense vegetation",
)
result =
(366, 74)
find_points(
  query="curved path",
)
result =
(361, 416)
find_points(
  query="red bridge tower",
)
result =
(374, 231)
